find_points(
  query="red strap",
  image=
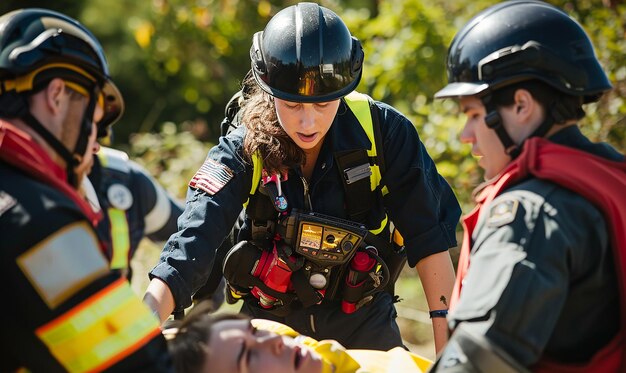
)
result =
(18, 149)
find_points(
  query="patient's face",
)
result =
(236, 346)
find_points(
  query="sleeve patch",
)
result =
(211, 177)
(63, 263)
(502, 213)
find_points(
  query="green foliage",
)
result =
(607, 26)
(172, 156)
(179, 61)
(182, 59)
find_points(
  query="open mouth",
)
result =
(307, 138)
(298, 358)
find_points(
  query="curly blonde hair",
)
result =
(265, 135)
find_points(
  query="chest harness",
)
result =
(300, 258)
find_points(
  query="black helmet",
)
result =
(522, 40)
(306, 54)
(35, 43)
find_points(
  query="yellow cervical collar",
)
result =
(334, 355)
(339, 360)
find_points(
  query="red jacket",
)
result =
(600, 181)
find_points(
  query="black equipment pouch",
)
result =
(394, 255)
(354, 166)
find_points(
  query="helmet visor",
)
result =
(113, 106)
(461, 89)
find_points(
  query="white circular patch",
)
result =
(120, 196)
(317, 280)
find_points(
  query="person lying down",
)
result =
(205, 342)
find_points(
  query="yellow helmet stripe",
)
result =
(24, 83)
(100, 331)
(78, 88)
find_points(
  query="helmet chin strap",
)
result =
(494, 121)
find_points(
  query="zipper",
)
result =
(307, 196)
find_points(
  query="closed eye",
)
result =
(243, 360)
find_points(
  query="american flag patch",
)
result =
(211, 177)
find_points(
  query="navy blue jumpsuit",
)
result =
(420, 203)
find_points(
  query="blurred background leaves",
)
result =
(178, 62)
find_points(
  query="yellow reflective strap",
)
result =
(360, 106)
(383, 223)
(257, 166)
(100, 331)
(120, 238)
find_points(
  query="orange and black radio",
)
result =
(321, 238)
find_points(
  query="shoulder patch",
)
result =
(6, 202)
(503, 212)
(64, 263)
(119, 196)
(211, 177)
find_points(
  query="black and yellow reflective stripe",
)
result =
(101, 331)
(120, 238)
(360, 106)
